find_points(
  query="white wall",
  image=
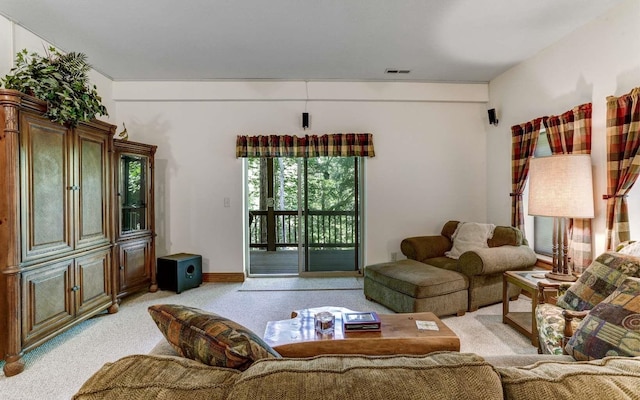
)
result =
(430, 163)
(430, 142)
(437, 159)
(6, 46)
(15, 38)
(599, 60)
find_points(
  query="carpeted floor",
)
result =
(296, 283)
(57, 369)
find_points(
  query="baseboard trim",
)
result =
(224, 277)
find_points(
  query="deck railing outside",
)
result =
(327, 229)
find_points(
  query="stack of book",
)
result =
(361, 321)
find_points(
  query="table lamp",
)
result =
(561, 186)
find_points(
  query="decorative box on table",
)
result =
(361, 321)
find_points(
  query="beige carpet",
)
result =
(57, 369)
(296, 283)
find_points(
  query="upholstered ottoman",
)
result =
(412, 286)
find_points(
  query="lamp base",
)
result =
(560, 277)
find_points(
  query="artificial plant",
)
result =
(59, 79)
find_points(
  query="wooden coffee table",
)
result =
(296, 337)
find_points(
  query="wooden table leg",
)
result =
(534, 324)
(505, 299)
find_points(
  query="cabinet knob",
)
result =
(122, 268)
(75, 288)
(74, 187)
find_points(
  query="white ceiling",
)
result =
(438, 40)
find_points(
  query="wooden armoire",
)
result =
(56, 234)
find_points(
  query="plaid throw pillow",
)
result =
(612, 328)
(209, 338)
(598, 281)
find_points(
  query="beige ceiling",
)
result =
(437, 40)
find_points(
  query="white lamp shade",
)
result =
(561, 186)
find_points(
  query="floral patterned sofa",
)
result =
(602, 302)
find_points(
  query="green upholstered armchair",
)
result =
(507, 250)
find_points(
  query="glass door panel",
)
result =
(274, 216)
(331, 203)
(132, 193)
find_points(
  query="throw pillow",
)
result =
(612, 328)
(631, 248)
(470, 236)
(208, 337)
(599, 280)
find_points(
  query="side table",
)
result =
(523, 322)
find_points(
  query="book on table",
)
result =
(361, 321)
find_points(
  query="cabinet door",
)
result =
(93, 281)
(92, 177)
(46, 188)
(47, 298)
(135, 265)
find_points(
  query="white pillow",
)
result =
(632, 249)
(469, 236)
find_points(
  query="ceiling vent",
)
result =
(396, 71)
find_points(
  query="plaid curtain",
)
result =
(524, 138)
(570, 133)
(333, 145)
(623, 162)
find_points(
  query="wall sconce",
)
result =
(493, 120)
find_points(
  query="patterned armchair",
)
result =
(553, 329)
(556, 323)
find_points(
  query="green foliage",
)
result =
(133, 169)
(330, 186)
(330, 183)
(59, 79)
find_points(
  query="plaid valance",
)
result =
(331, 145)
(570, 132)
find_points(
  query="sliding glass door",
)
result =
(332, 214)
(304, 215)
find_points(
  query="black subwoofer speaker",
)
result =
(179, 272)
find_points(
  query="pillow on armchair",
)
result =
(631, 247)
(599, 280)
(612, 328)
(469, 236)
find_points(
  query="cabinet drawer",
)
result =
(93, 280)
(48, 300)
(134, 264)
(56, 294)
